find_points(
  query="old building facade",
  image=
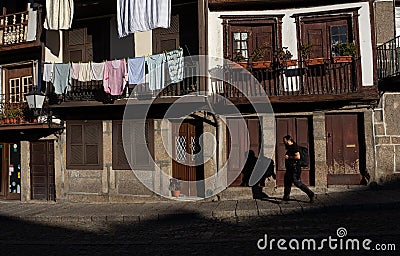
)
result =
(327, 102)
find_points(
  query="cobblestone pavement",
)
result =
(52, 229)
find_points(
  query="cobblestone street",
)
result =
(191, 232)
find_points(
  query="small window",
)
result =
(240, 44)
(338, 34)
(135, 143)
(85, 145)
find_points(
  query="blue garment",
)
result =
(136, 68)
(62, 78)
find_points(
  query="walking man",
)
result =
(293, 169)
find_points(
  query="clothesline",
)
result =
(116, 73)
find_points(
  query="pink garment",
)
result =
(115, 77)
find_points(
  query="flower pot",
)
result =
(238, 65)
(314, 61)
(176, 193)
(342, 59)
(261, 64)
(288, 63)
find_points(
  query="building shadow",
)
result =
(257, 166)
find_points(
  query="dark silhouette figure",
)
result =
(264, 164)
(293, 169)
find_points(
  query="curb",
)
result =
(216, 214)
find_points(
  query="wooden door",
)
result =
(315, 35)
(342, 149)
(262, 38)
(42, 171)
(186, 145)
(298, 128)
(237, 148)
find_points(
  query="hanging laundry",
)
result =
(32, 25)
(97, 71)
(136, 70)
(115, 77)
(84, 74)
(48, 72)
(75, 70)
(62, 78)
(59, 14)
(156, 65)
(175, 65)
(142, 15)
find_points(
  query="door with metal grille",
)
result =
(186, 164)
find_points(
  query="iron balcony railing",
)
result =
(388, 57)
(327, 78)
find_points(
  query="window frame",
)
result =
(348, 17)
(84, 125)
(232, 22)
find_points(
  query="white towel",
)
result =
(75, 70)
(84, 74)
(142, 15)
(97, 71)
(32, 25)
(156, 65)
(48, 72)
(175, 65)
(59, 14)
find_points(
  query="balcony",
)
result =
(326, 81)
(388, 58)
(14, 32)
(92, 93)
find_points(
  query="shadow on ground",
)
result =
(188, 233)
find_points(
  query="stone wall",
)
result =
(387, 138)
(384, 21)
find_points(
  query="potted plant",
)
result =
(175, 187)
(305, 52)
(283, 56)
(239, 59)
(343, 52)
(257, 58)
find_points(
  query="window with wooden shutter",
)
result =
(136, 144)
(250, 34)
(85, 145)
(324, 31)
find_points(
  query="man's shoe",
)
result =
(285, 198)
(312, 198)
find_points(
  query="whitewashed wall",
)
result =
(289, 39)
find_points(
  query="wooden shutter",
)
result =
(78, 45)
(84, 145)
(167, 39)
(136, 146)
(315, 34)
